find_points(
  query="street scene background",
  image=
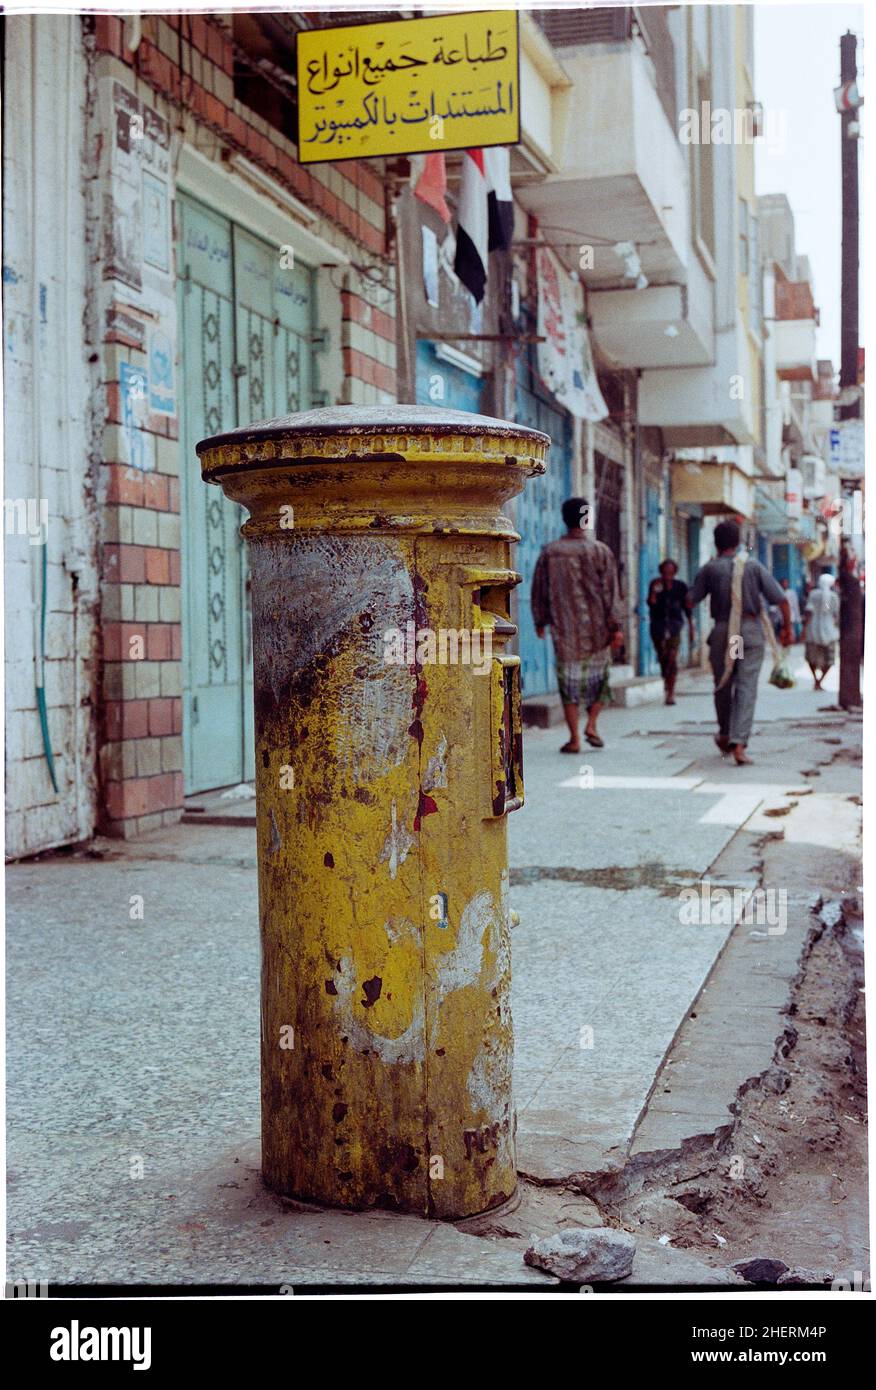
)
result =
(199, 235)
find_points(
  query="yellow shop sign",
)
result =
(412, 86)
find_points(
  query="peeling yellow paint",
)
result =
(402, 780)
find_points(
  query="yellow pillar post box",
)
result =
(388, 755)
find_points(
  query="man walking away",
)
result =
(575, 593)
(821, 631)
(737, 587)
(668, 610)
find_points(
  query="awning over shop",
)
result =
(771, 519)
(770, 513)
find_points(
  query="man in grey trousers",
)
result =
(735, 697)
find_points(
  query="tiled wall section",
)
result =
(141, 758)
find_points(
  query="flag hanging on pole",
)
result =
(472, 235)
(486, 214)
(500, 207)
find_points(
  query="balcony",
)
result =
(716, 487)
(570, 28)
(795, 349)
(660, 326)
(793, 330)
(622, 174)
(621, 178)
(704, 406)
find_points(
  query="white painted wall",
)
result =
(795, 344)
(708, 398)
(47, 433)
(618, 131)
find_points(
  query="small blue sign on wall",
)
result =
(835, 449)
(132, 388)
(162, 398)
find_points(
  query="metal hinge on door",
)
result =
(195, 715)
(239, 369)
(319, 340)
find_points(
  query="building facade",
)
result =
(649, 312)
(198, 277)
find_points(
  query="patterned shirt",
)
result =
(575, 593)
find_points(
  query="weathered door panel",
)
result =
(255, 332)
(246, 318)
(254, 326)
(294, 385)
(211, 547)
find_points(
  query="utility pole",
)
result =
(849, 169)
(851, 644)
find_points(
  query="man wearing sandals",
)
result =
(575, 593)
(737, 587)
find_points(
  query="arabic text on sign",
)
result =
(448, 82)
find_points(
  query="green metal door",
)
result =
(247, 342)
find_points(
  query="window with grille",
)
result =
(264, 68)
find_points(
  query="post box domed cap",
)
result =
(346, 420)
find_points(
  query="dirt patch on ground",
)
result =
(786, 1178)
(789, 1181)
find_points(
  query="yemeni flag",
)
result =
(472, 231)
(500, 208)
(486, 214)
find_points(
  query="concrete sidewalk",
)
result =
(600, 853)
(133, 1044)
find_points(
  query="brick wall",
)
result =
(177, 88)
(350, 195)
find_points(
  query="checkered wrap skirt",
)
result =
(585, 682)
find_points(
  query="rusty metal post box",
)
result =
(388, 755)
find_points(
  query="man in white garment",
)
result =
(821, 630)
